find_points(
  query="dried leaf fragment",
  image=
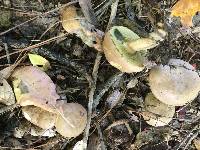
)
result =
(6, 93)
(186, 9)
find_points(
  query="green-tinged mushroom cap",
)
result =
(119, 43)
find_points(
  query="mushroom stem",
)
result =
(140, 44)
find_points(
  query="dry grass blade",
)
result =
(88, 11)
(35, 45)
(113, 13)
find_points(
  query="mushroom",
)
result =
(176, 83)
(72, 119)
(34, 87)
(36, 93)
(39, 117)
(157, 113)
(125, 50)
(74, 22)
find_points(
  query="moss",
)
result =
(5, 18)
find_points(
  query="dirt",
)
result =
(114, 126)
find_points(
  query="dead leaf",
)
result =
(186, 9)
(6, 93)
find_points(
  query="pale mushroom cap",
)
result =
(39, 117)
(180, 63)
(34, 87)
(124, 62)
(157, 113)
(174, 85)
(72, 120)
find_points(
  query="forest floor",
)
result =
(34, 26)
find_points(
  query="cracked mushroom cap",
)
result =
(39, 117)
(157, 113)
(72, 120)
(34, 87)
(124, 49)
(176, 83)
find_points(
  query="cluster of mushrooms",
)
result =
(174, 84)
(36, 93)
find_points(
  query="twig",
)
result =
(91, 95)
(103, 147)
(81, 69)
(188, 136)
(35, 45)
(112, 14)
(48, 29)
(19, 10)
(19, 25)
(191, 139)
(43, 14)
(7, 53)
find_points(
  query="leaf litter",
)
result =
(114, 100)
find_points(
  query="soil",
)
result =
(118, 99)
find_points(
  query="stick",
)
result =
(91, 95)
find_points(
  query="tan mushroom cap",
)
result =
(176, 84)
(157, 113)
(39, 117)
(115, 58)
(70, 20)
(74, 21)
(72, 120)
(34, 87)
